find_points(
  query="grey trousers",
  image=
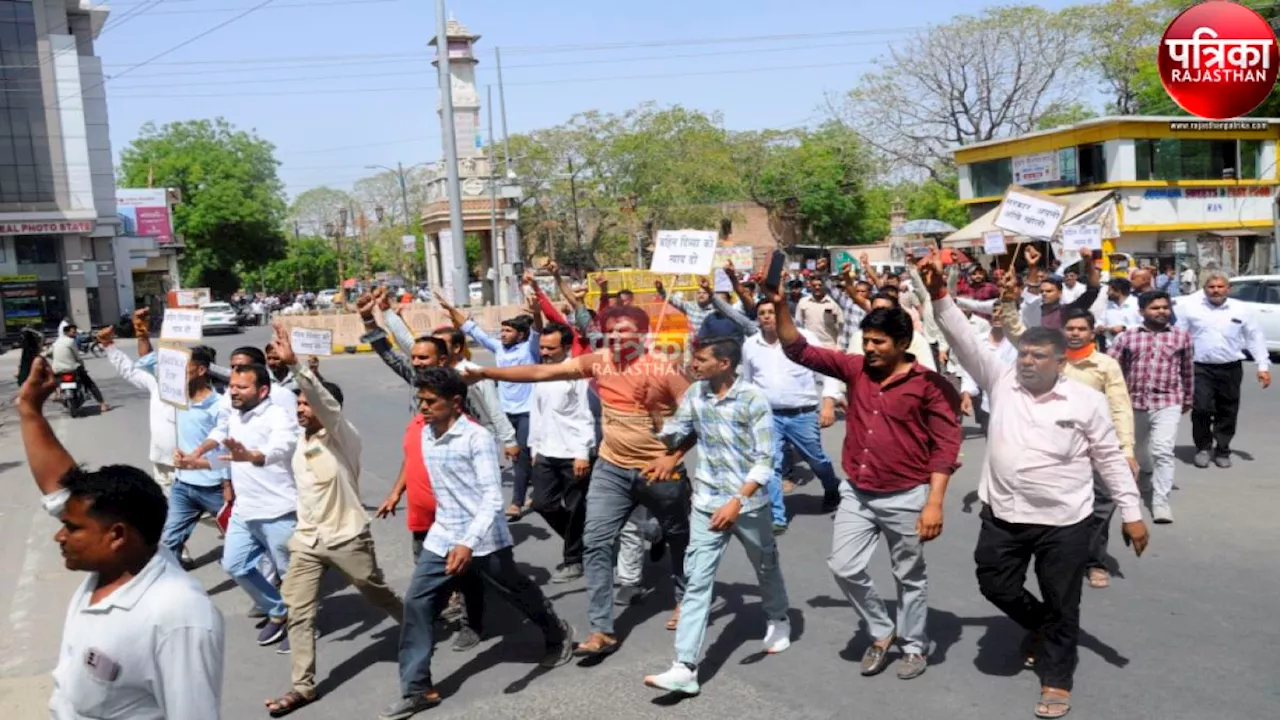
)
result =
(860, 521)
(613, 493)
(639, 531)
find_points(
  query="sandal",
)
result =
(1099, 578)
(512, 512)
(597, 645)
(674, 621)
(1055, 704)
(291, 701)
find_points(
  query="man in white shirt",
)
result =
(1047, 436)
(162, 417)
(333, 527)
(141, 640)
(562, 436)
(820, 314)
(1122, 309)
(259, 441)
(1221, 329)
(66, 359)
(1072, 288)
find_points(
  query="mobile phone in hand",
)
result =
(777, 263)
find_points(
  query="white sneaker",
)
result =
(778, 637)
(1162, 514)
(679, 679)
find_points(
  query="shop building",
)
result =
(57, 189)
(1167, 190)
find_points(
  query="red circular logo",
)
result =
(1218, 60)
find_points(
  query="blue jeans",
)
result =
(186, 502)
(706, 547)
(803, 433)
(244, 545)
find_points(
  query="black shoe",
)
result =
(657, 550)
(567, 573)
(405, 708)
(273, 631)
(465, 639)
(561, 653)
(628, 595)
(830, 501)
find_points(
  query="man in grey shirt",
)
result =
(66, 359)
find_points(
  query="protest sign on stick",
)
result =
(310, 341)
(171, 375)
(684, 252)
(182, 325)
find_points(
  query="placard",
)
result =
(1041, 167)
(684, 252)
(1081, 237)
(171, 375)
(742, 257)
(308, 341)
(182, 325)
(192, 297)
(1028, 213)
(993, 243)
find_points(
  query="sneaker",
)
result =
(567, 573)
(679, 679)
(1162, 514)
(875, 659)
(628, 595)
(185, 558)
(778, 637)
(1202, 459)
(779, 529)
(830, 501)
(912, 665)
(562, 652)
(465, 639)
(405, 708)
(272, 631)
(1222, 461)
(283, 647)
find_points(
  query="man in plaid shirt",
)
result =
(734, 427)
(1157, 362)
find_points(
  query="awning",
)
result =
(1083, 209)
(1242, 232)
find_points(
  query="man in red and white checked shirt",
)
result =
(1157, 362)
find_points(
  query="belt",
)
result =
(792, 412)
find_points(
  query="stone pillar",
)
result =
(431, 243)
(486, 261)
(73, 271)
(108, 286)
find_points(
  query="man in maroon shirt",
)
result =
(977, 286)
(901, 444)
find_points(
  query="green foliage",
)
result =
(928, 199)
(310, 262)
(233, 204)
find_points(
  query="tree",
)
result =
(928, 199)
(233, 206)
(310, 262)
(316, 211)
(1117, 37)
(971, 80)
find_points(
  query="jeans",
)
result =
(469, 585)
(523, 466)
(428, 593)
(706, 547)
(803, 433)
(1003, 554)
(186, 503)
(1104, 508)
(860, 521)
(561, 500)
(90, 386)
(244, 545)
(613, 493)
(1155, 432)
(1216, 405)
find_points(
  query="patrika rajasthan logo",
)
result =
(1218, 60)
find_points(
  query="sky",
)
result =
(339, 85)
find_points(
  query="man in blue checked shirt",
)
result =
(517, 344)
(469, 536)
(734, 427)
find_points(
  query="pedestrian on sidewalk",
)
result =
(734, 429)
(141, 640)
(469, 536)
(332, 529)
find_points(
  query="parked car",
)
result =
(326, 298)
(1261, 294)
(219, 317)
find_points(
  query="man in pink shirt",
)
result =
(1047, 435)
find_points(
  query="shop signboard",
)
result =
(20, 302)
(144, 212)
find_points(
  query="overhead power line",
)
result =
(282, 6)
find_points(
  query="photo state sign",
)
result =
(171, 375)
(1030, 214)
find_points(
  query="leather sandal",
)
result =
(597, 644)
(1056, 704)
(292, 700)
(674, 621)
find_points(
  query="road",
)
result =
(1187, 631)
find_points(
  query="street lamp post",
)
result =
(410, 225)
(336, 232)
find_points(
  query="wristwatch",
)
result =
(743, 500)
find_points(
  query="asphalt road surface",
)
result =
(1187, 631)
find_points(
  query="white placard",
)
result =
(684, 252)
(723, 283)
(192, 298)
(1041, 167)
(993, 243)
(182, 325)
(1032, 214)
(171, 375)
(409, 242)
(308, 341)
(1081, 237)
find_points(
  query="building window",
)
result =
(991, 177)
(1093, 164)
(26, 171)
(1251, 160)
(1176, 159)
(36, 249)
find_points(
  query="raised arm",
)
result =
(125, 367)
(377, 338)
(749, 326)
(872, 276)
(603, 283)
(455, 315)
(548, 308)
(142, 331)
(748, 302)
(48, 459)
(326, 407)
(525, 373)
(979, 362)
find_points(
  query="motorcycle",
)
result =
(71, 393)
(87, 344)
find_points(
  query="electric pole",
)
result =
(455, 274)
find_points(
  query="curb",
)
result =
(352, 349)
